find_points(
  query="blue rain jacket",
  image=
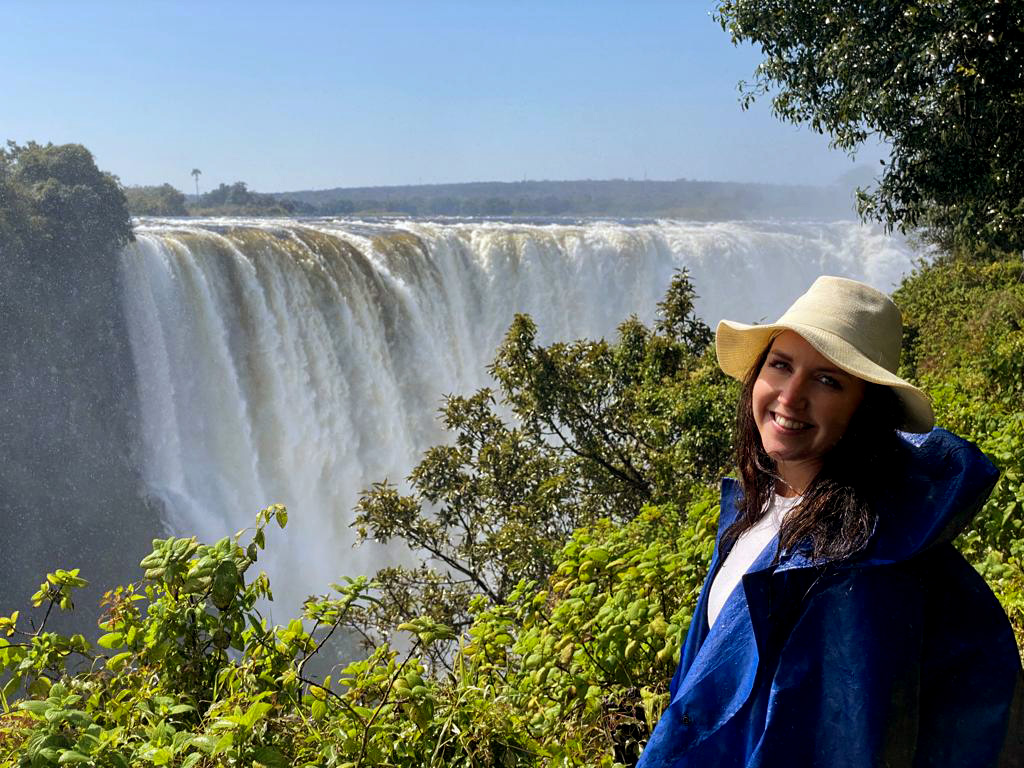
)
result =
(898, 656)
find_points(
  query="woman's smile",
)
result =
(789, 425)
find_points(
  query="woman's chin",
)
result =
(788, 454)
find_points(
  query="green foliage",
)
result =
(61, 218)
(597, 430)
(964, 344)
(227, 194)
(598, 642)
(941, 83)
(238, 200)
(620, 411)
(569, 670)
(56, 201)
(567, 539)
(194, 675)
(163, 200)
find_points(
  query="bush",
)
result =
(965, 346)
(569, 670)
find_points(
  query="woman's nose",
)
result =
(794, 391)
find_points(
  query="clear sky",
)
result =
(308, 94)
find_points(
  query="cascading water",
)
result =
(298, 362)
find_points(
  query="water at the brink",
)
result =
(298, 362)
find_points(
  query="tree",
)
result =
(598, 430)
(195, 174)
(66, 206)
(164, 200)
(14, 211)
(941, 82)
(237, 200)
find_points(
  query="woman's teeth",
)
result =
(782, 421)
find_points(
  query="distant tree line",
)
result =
(448, 205)
(225, 200)
(701, 200)
(163, 200)
(617, 197)
(238, 199)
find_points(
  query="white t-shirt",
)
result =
(745, 551)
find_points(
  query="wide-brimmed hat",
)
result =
(856, 327)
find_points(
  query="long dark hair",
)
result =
(835, 516)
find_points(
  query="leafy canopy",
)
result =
(56, 205)
(941, 82)
(163, 200)
(585, 430)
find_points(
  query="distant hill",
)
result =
(701, 200)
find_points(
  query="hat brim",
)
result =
(738, 346)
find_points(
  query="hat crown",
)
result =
(865, 318)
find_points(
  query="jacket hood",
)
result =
(947, 481)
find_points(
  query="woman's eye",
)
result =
(778, 364)
(828, 381)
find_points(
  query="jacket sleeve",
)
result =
(845, 690)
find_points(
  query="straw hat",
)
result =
(856, 327)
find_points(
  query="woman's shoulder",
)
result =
(936, 597)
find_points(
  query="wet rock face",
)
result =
(69, 488)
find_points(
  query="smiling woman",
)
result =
(823, 634)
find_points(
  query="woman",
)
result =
(838, 626)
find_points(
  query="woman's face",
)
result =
(802, 405)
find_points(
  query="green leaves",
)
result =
(224, 582)
(964, 321)
(427, 630)
(597, 429)
(941, 83)
(172, 695)
(553, 674)
(64, 199)
(169, 559)
(57, 589)
(111, 640)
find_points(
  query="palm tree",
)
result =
(195, 173)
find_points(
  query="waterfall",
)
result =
(300, 361)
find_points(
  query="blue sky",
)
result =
(309, 95)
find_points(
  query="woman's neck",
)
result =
(794, 477)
